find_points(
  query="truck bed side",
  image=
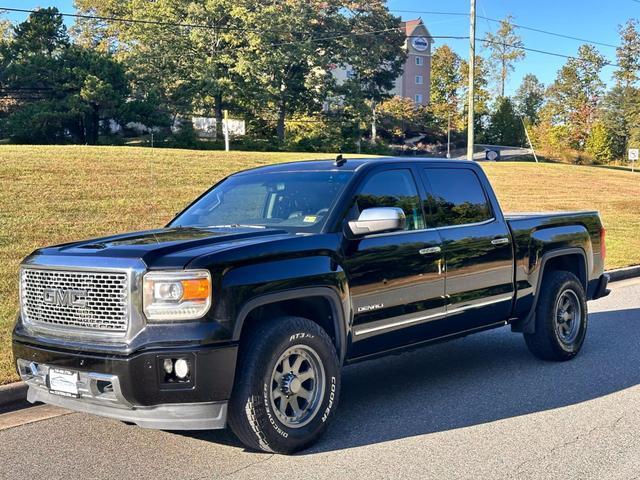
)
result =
(567, 240)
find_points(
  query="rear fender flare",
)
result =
(527, 325)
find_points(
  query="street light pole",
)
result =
(472, 74)
(449, 136)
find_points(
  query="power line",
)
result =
(342, 35)
(320, 39)
(555, 34)
(208, 26)
(546, 52)
(522, 27)
(460, 14)
(131, 20)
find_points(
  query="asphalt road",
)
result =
(478, 407)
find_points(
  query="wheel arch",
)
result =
(322, 305)
(573, 260)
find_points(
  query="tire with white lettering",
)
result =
(287, 386)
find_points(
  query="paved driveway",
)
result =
(478, 407)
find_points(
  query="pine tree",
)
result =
(505, 127)
(505, 47)
(529, 98)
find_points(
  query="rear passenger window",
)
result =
(456, 197)
(391, 188)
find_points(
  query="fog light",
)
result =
(167, 364)
(182, 368)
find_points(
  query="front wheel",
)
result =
(287, 386)
(560, 318)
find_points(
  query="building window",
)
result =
(418, 98)
(418, 79)
(419, 60)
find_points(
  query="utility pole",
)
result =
(472, 74)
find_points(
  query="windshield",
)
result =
(300, 201)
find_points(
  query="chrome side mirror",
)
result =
(378, 220)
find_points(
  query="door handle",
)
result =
(500, 241)
(427, 251)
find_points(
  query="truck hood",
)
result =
(167, 247)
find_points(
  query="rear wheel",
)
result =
(560, 317)
(287, 386)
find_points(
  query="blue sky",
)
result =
(581, 18)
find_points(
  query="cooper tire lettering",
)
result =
(332, 395)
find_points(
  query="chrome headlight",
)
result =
(179, 295)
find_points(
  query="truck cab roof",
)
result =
(350, 164)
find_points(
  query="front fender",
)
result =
(247, 287)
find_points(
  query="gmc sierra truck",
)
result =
(244, 308)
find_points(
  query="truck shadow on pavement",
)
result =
(478, 379)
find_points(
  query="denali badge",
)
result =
(368, 308)
(65, 298)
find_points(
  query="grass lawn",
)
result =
(51, 195)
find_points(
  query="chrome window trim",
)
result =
(475, 224)
(432, 229)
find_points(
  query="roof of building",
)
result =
(411, 26)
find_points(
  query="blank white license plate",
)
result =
(63, 382)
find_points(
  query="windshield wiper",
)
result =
(235, 225)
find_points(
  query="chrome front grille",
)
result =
(76, 300)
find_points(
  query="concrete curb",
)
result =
(624, 273)
(15, 392)
(12, 393)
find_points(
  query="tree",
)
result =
(446, 78)
(600, 143)
(44, 32)
(6, 34)
(6, 29)
(63, 90)
(482, 96)
(284, 68)
(628, 54)
(505, 127)
(574, 97)
(189, 69)
(505, 47)
(616, 114)
(375, 56)
(529, 98)
(621, 116)
(399, 114)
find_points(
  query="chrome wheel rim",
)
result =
(297, 386)
(568, 317)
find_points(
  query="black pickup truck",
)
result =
(244, 308)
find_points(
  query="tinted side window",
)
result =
(456, 197)
(391, 188)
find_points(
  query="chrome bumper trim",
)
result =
(109, 402)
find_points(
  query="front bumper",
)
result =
(133, 388)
